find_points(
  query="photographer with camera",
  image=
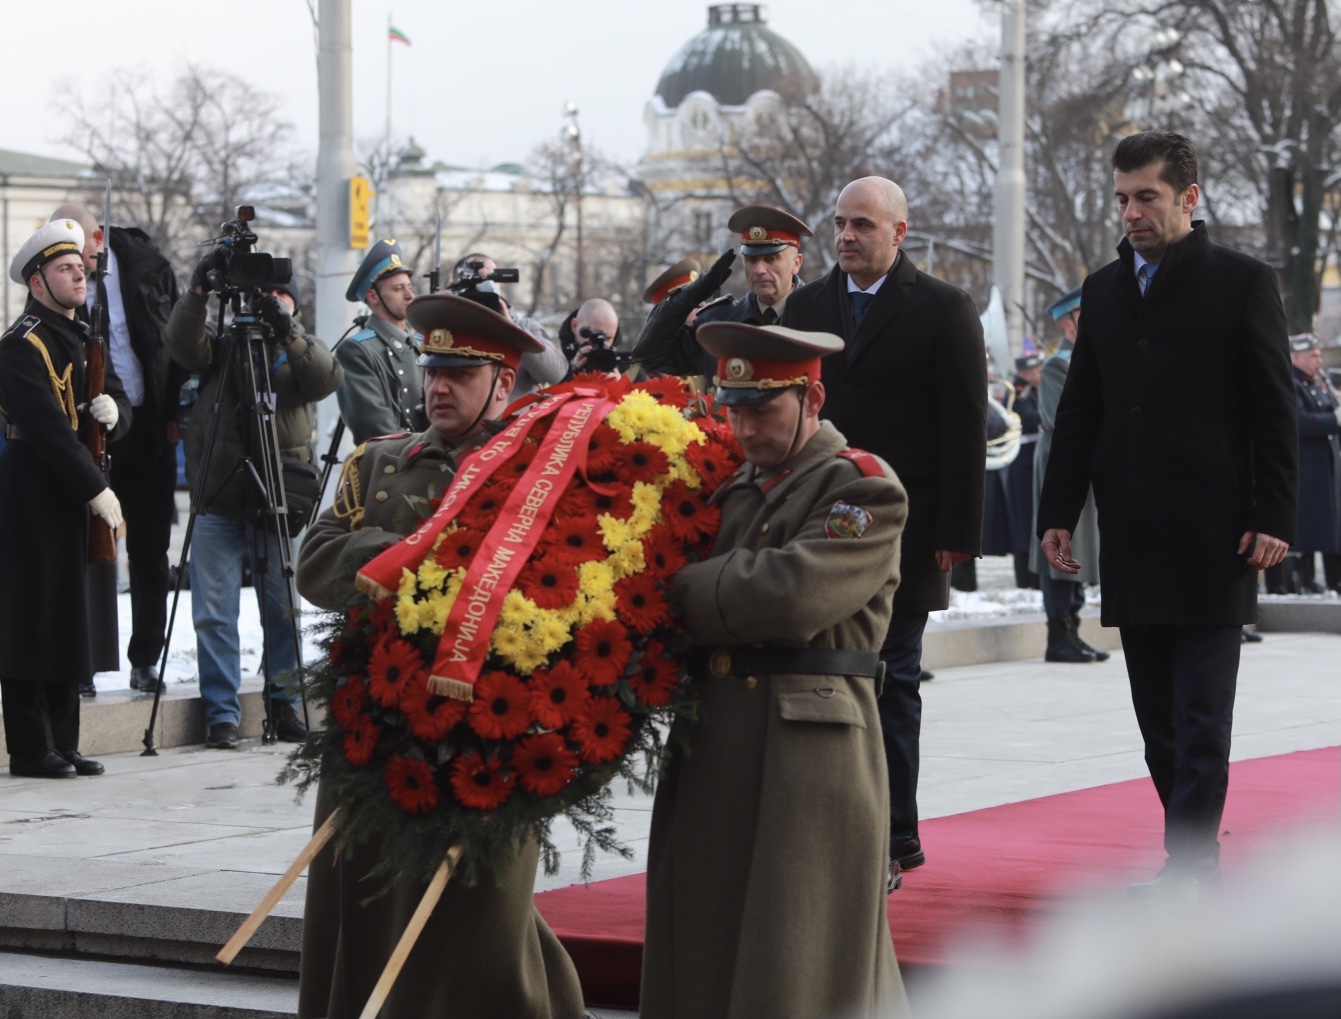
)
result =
(590, 337)
(538, 368)
(301, 371)
(382, 392)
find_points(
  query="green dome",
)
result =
(736, 56)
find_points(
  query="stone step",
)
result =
(35, 986)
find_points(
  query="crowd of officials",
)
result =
(861, 402)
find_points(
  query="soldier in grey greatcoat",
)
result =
(485, 951)
(770, 832)
(1063, 595)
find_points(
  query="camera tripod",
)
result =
(245, 372)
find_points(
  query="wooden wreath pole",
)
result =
(412, 931)
(244, 933)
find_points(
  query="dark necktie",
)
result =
(860, 302)
(770, 317)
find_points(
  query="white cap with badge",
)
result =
(63, 237)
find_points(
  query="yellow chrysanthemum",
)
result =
(431, 575)
(407, 612)
(628, 559)
(434, 610)
(615, 533)
(595, 578)
(550, 631)
(518, 610)
(600, 606)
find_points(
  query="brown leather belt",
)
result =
(743, 662)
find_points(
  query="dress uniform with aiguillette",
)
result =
(47, 478)
(769, 846)
(486, 951)
(383, 390)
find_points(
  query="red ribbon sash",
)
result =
(380, 577)
(464, 645)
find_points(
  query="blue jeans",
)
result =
(217, 548)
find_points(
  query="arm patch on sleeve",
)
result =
(846, 521)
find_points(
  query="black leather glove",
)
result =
(658, 340)
(277, 317)
(201, 277)
(692, 295)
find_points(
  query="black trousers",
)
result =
(144, 476)
(900, 707)
(1061, 598)
(40, 717)
(1183, 680)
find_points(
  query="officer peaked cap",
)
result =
(383, 259)
(756, 363)
(764, 229)
(49, 242)
(460, 333)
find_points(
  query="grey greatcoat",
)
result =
(770, 836)
(1085, 540)
(486, 951)
(383, 384)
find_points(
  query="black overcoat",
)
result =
(1179, 409)
(1319, 468)
(911, 387)
(47, 478)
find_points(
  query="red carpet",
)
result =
(990, 869)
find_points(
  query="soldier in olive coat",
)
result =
(770, 836)
(486, 951)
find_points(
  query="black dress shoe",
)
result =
(49, 765)
(289, 727)
(895, 877)
(145, 678)
(222, 736)
(908, 853)
(925, 676)
(88, 690)
(82, 765)
(1180, 883)
(1249, 637)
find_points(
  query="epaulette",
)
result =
(869, 464)
(23, 327)
(363, 335)
(383, 438)
(414, 451)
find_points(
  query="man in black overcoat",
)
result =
(48, 486)
(1319, 455)
(911, 387)
(1200, 478)
(139, 293)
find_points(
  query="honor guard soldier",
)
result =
(682, 273)
(769, 850)
(470, 359)
(770, 244)
(49, 483)
(382, 392)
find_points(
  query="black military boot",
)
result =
(1074, 623)
(1060, 646)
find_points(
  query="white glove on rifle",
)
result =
(106, 505)
(103, 409)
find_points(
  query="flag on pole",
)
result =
(396, 35)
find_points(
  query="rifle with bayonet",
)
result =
(101, 538)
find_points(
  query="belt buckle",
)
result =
(719, 664)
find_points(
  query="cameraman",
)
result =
(302, 371)
(592, 329)
(541, 368)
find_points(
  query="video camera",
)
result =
(471, 283)
(601, 357)
(236, 266)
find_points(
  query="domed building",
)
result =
(727, 82)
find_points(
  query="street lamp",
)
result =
(571, 134)
(1155, 78)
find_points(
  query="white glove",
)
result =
(103, 409)
(106, 505)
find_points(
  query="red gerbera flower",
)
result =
(550, 583)
(395, 665)
(640, 461)
(617, 500)
(410, 781)
(479, 513)
(663, 553)
(602, 730)
(558, 695)
(543, 764)
(458, 548)
(601, 449)
(431, 717)
(687, 515)
(603, 651)
(712, 461)
(640, 604)
(656, 676)
(572, 540)
(348, 700)
(501, 708)
(667, 389)
(360, 740)
(480, 783)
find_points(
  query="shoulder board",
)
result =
(363, 335)
(868, 464)
(384, 438)
(414, 451)
(24, 326)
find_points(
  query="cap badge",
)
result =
(693, 275)
(758, 233)
(440, 339)
(739, 370)
(395, 259)
(69, 224)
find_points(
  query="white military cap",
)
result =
(62, 237)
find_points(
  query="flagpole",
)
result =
(388, 90)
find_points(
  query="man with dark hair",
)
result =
(140, 292)
(911, 387)
(1201, 477)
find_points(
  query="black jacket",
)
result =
(675, 351)
(911, 387)
(1319, 467)
(1179, 409)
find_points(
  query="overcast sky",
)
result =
(480, 84)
